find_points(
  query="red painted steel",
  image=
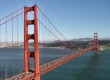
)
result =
(53, 64)
(36, 49)
(40, 70)
(26, 61)
(27, 37)
(96, 41)
(61, 61)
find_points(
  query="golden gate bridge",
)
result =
(31, 25)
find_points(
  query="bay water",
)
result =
(90, 66)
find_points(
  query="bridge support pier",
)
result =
(31, 54)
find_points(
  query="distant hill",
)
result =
(105, 39)
(83, 39)
(74, 43)
(90, 39)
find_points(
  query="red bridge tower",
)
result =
(34, 54)
(96, 41)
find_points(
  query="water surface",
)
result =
(90, 66)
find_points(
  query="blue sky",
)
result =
(74, 18)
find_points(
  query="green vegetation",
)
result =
(75, 44)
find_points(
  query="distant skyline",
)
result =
(73, 18)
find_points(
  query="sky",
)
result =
(73, 18)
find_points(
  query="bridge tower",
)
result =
(96, 41)
(31, 54)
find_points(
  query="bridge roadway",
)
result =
(51, 65)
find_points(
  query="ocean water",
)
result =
(90, 66)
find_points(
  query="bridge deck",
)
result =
(51, 65)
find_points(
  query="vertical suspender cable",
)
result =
(12, 46)
(21, 33)
(12, 32)
(0, 33)
(0, 46)
(6, 33)
(5, 41)
(17, 31)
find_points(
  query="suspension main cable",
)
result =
(55, 27)
(53, 34)
(12, 13)
(14, 16)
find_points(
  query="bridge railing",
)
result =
(52, 43)
(11, 44)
